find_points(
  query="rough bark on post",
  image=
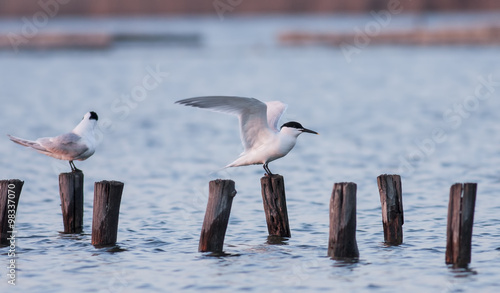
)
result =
(391, 199)
(220, 200)
(10, 191)
(71, 193)
(460, 222)
(342, 240)
(274, 199)
(107, 199)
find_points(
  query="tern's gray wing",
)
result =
(68, 146)
(252, 113)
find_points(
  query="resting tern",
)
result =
(263, 142)
(79, 144)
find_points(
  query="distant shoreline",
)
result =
(220, 7)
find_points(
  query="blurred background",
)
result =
(397, 86)
(158, 7)
(36, 21)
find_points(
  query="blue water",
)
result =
(405, 110)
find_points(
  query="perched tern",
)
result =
(79, 144)
(263, 142)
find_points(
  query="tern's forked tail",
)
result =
(27, 143)
(23, 142)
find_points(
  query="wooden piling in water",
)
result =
(220, 200)
(10, 191)
(71, 193)
(274, 199)
(342, 240)
(460, 222)
(107, 199)
(391, 199)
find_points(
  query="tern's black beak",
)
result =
(308, 131)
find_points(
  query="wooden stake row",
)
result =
(342, 235)
(107, 198)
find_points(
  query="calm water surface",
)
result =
(405, 110)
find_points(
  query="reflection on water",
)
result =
(462, 272)
(219, 254)
(343, 262)
(277, 240)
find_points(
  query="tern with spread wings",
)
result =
(263, 142)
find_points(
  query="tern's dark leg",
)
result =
(266, 167)
(73, 167)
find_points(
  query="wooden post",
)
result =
(10, 191)
(274, 199)
(460, 222)
(220, 200)
(389, 187)
(342, 241)
(71, 193)
(107, 199)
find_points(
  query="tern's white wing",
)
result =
(275, 110)
(251, 112)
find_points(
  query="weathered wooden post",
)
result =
(342, 240)
(460, 222)
(107, 199)
(274, 199)
(220, 200)
(71, 193)
(10, 191)
(391, 198)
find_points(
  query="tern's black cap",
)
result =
(293, 124)
(93, 115)
(297, 125)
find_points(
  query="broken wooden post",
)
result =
(220, 200)
(342, 240)
(460, 221)
(71, 193)
(107, 199)
(10, 191)
(389, 187)
(274, 199)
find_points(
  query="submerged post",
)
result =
(71, 193)
(107, 199)
(342, 240)
(391, 199)
(460, 222)
(274, 199)
(10, 191)
(220, 200)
